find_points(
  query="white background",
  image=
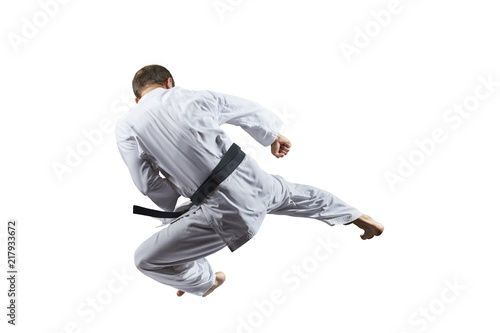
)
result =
(349, 123)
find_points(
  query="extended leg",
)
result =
(308, 201)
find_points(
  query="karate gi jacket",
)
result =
(171, 141)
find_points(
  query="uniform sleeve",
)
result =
(145, 177)
(262, 124)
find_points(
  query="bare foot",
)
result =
(219, 280)
(370, 226)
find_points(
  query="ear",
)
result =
(168, 83)
(137, 100)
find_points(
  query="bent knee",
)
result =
(151, 259)
(142, 260)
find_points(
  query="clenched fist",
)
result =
(281, 146)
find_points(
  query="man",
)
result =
(172, 143)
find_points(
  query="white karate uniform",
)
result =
(171, 141)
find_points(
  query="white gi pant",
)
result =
(175, 255)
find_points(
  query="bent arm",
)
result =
(146, 178)
(262, 124)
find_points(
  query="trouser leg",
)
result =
(308, 201)
(175, 255)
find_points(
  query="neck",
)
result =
(150, 88)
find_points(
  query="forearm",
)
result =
(258, 121)
(146, 178)
(163, 196)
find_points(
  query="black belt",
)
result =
(224, 168)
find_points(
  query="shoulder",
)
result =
(123, 126)
(193, 92)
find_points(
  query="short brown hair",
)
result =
(146, 76)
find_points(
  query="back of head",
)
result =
(149, 75)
